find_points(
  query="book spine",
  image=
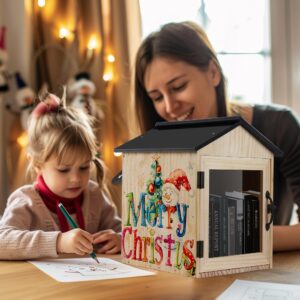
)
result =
(231, 227)
(247, 225)
(224, 227)
(239, 243)
(216, 227)
(255, 225)
(210, 228)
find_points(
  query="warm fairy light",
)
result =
(111, 58)
(92, 44)
(22, 140)
(107, 77)
(117, 154)
(41, 3)
(64, 33)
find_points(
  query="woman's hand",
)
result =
(75, 241)
(286, 237)
(110, 241)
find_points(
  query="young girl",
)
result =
(62, 148)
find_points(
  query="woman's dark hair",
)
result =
(184, 41)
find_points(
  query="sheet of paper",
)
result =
(84, 269)
(256, 290)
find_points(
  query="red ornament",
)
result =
(158, 169)
(151, 188)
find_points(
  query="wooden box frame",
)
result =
(178, 242)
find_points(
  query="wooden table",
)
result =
(22, 280)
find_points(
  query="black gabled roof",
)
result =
(191, 135)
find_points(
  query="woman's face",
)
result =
(181, 91)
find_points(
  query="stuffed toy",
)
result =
(81, 90)
(25, 99)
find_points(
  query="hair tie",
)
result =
(49, 104)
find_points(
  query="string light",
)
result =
(92, 44)
(107, 77)
(64, 33)
(41, 3)
(117, 154)
(22, 140)
(111, 58)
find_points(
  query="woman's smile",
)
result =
(186, 116)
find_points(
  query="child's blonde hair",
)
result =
(55, 130)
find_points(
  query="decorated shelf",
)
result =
(197, 198)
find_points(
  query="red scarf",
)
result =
(51, 200)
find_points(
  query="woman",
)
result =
(178, 77)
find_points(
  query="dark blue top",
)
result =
(282, 127)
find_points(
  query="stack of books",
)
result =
(234, 222)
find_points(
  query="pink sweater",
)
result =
(29, 230)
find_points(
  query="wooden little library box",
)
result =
(197, 198)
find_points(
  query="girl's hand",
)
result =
(75, 241)
(111, 241)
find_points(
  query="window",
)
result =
(239, 32)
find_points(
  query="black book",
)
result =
(215, 202)
(224, 227)
(251, 237)
(255, 220)
(255, 224)
(231, 219)
(239, 221)
(248, 225)
(210, 228)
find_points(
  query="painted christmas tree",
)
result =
(154, 190)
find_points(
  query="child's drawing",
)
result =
(83, 269)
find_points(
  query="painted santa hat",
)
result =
(81, 79)
(24, 95)
(179, 179)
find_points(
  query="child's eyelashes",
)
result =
(83, 168)
(63, 170)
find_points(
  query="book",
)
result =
(250, 223)
(210, 227)
(231, 211)
(215, 202)
(255, 220)
(239, 222)
(218, 226)
(224, 227)
(255, 225)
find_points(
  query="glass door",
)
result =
(234, 211)
(233, 214)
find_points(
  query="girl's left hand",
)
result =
(110, 240)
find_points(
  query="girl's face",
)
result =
(69, 178)
(181, 91)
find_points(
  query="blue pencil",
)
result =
(74, 225)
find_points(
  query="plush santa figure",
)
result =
(81, 90)
(25, 99)
(3, 62)
(174, 186)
